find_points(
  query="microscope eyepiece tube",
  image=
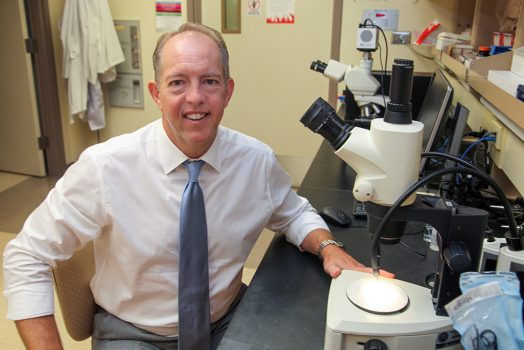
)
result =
(398, 110)
(318, 66)
(322, 119)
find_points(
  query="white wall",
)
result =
(270, 65)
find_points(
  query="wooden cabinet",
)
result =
(489, 16)
(495, 109)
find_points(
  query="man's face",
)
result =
(191, 93)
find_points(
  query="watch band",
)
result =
(325, 243)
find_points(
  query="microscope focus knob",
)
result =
(375, 344)
(457, 257)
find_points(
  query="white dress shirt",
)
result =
(125, 195)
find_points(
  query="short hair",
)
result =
(191, 27)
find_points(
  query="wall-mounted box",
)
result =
(129, 35)
(127, 90)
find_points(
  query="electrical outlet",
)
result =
(400, 38)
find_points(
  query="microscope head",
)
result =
(387, 156)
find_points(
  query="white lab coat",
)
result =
(91, 50)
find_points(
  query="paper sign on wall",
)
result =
(253, 7)
(280, 12)
(168, 15)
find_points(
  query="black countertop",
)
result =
(285, 305)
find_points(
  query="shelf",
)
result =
(508, 105)
(493, 108)
(458, 68)
(476, 78)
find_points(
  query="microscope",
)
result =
(366, 311)
(361, 98)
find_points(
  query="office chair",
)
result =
(72, 278)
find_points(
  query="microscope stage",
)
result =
(417, 318)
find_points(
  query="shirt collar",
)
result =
(171, 157)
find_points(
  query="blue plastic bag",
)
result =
(488, 314)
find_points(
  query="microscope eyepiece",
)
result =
(322, 119)
(398, 110)
(318, 66)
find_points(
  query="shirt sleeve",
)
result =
(293, 214)
(71, 215)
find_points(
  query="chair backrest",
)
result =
(72, 278)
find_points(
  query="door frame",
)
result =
(46, 87)
(194, 11)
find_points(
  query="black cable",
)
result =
(423, 254)
(384, 66)
(370, 21)
(456, 159)
(382, 76)
(485, 340)
(375, 255)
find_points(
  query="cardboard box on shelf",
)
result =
(503, 39)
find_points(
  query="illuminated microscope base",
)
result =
(417, 327)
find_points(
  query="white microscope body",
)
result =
(417, 327)
(386, 159)
(382, 176)
(358, 79)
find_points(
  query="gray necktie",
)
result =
(193, 277)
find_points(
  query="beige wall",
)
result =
(121, 120)
(78, 136)
(270, 65)
(414, 15)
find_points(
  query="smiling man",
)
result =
(127, 195)
(191, 88)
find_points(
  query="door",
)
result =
(19, 124)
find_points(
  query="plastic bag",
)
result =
(488, 314)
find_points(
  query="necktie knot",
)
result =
(193, 169)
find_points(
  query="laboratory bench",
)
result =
(285, 305)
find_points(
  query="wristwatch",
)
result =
(325, 243)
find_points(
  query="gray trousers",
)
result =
(110, 332)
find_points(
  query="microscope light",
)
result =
(377, 295)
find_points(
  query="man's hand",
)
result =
(337, 259)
